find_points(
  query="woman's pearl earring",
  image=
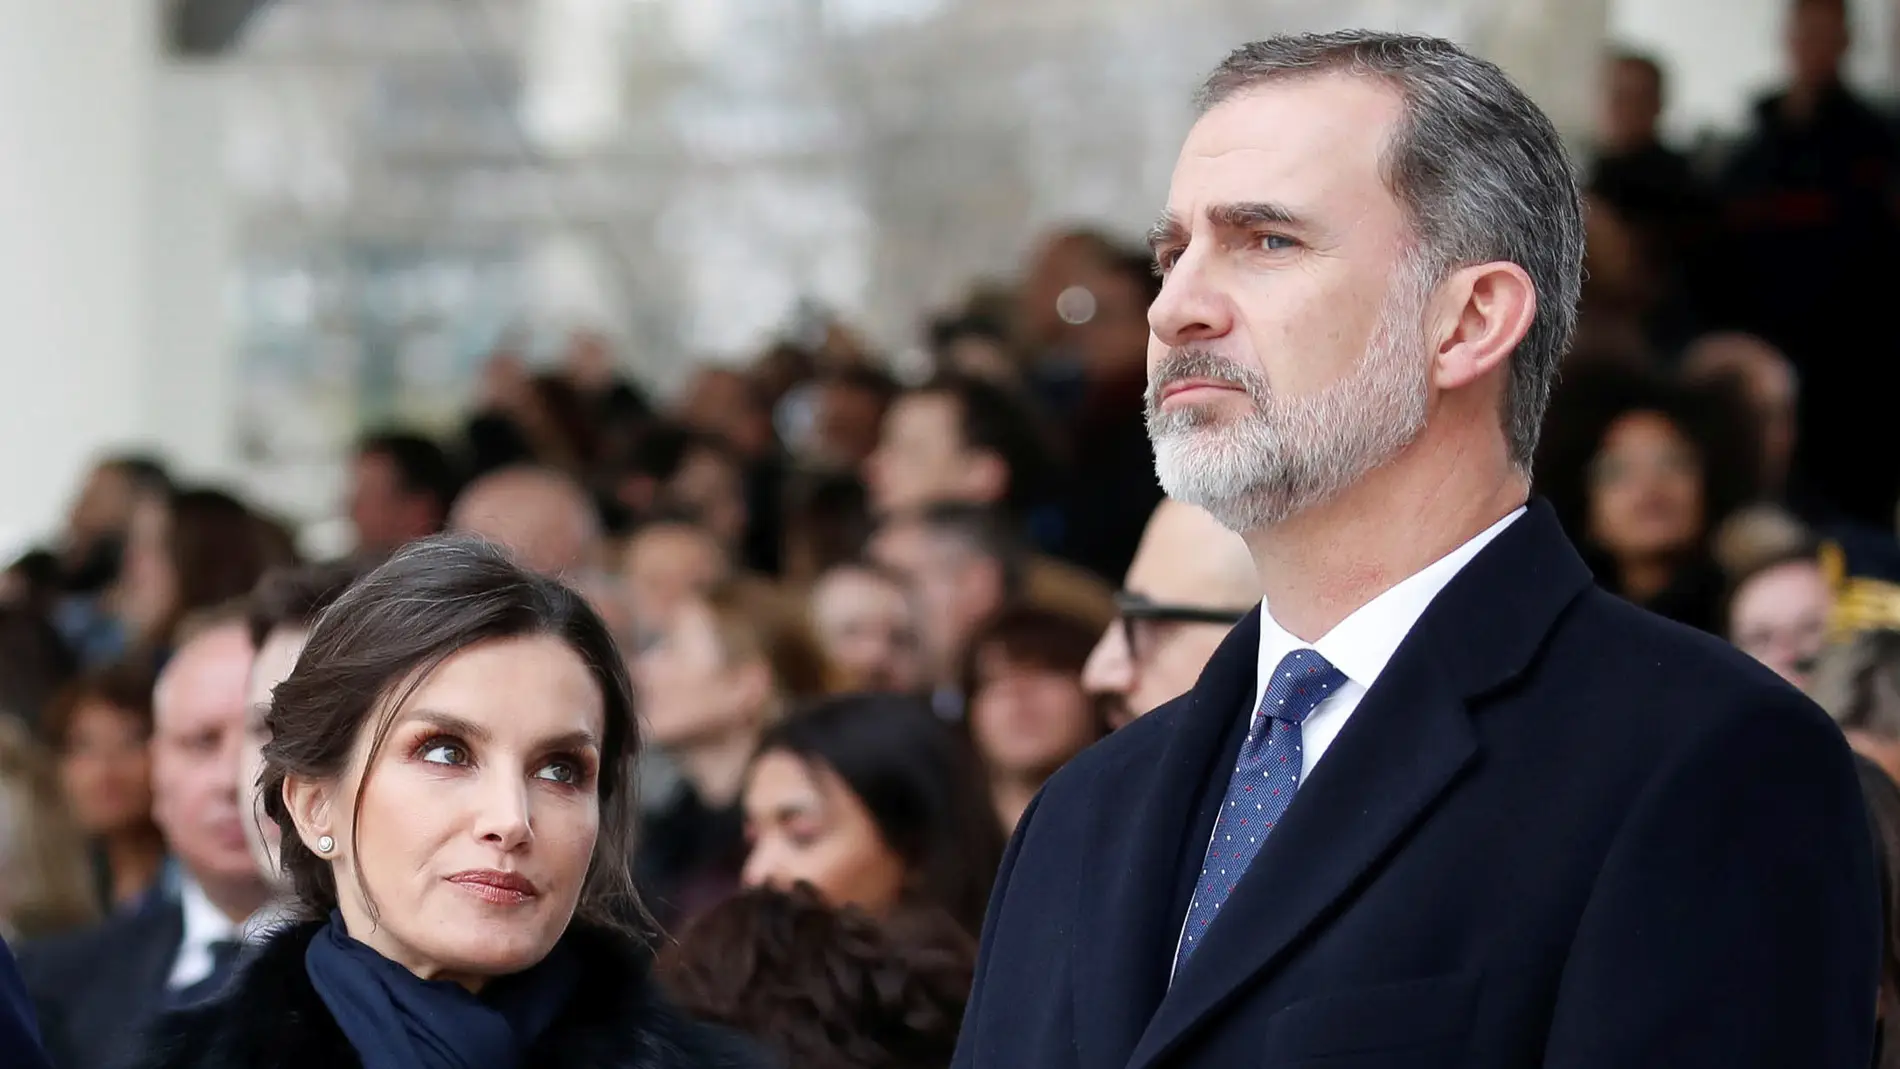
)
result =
(325, 844)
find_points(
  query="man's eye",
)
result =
(1276, 242)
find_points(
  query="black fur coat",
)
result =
(272, 1018)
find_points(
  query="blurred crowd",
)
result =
(868, 616)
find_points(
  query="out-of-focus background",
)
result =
(239, 231)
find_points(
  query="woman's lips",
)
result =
(496, 886)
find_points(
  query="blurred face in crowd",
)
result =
(1186, 560)
(104, 504)
(105, 767)
(721, 401)
(692, 692)
(1632, 104)
(1779, 617)
(665, 565)
(1645, 489)
(148, 583)
(983, 357)
(1027, 719)
(1767, 381)
(806, 826)
(956, 587)
(921, 459)
(712, 487)
(199, 715)
(479, 813)
(864, 622)
(847, 423)
(1817, 42)
(1114, 338)
(274, 661)
(1288, 358)
(384, 514)
(1062, 262)
(544, 518)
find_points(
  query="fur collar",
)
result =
(272, 1018)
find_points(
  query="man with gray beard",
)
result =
(1438, 801)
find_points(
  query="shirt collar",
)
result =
(206, 924)
(1361, 644)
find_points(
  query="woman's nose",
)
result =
(503, 817)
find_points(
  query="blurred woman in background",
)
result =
(1778, 613)
(723, 667)
(35, 662)
(45, 887)
(99, 729)
(864, 618)
(1642, 473)
(876, 803)
(1028, 714)
(187, 551)
(825, 987)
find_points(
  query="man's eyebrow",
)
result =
(1239, 215)
(1244, 214)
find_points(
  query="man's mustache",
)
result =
(1183, 365)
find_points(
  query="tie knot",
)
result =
(1300, 682)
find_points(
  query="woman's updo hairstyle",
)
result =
(381, 640)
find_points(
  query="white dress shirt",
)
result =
(205, 925)
(1359, 646)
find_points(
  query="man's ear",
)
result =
(311, 803)
(1487, 311)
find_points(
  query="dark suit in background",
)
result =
(19, 1035)
(96, 990)
(1557, 831)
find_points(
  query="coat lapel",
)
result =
(1134, 853)
(1404, 746)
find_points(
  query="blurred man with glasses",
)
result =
(1190, 581)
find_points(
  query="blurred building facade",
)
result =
(332, 222)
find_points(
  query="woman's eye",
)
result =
(445, 753)
(560, 772)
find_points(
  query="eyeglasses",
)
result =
(1139, 616)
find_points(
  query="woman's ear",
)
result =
(311, 804)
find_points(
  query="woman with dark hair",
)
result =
(876, 803)
(98, 729)
(1028, 714)
(450, 768)
(826, 987)
(188, 551)
(1642, 472)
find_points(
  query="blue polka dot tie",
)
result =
(1262, 786)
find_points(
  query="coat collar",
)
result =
(272, 1017)
(1411, 734)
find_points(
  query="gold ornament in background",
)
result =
(1860, 604)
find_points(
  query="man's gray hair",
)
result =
(1478, 169)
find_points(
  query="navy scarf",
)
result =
(395, 1020)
